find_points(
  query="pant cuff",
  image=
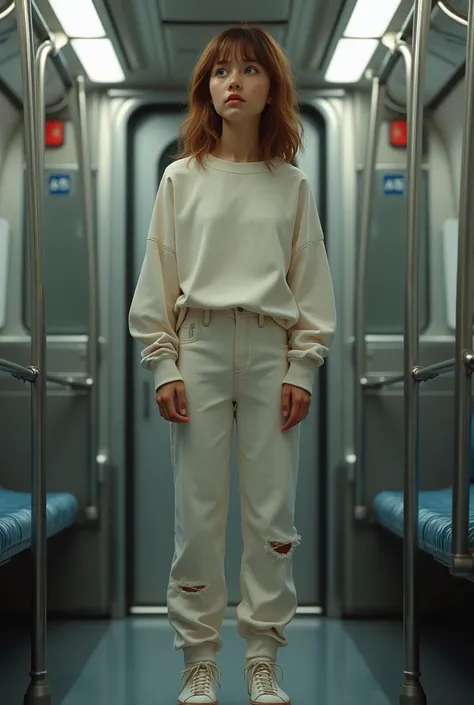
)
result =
(199, 653)
(262, 647)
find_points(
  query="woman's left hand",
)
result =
(297, 401)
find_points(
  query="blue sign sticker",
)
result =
(59, 184)
(394, 184)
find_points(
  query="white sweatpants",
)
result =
(233, 363)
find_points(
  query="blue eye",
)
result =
(219, 74)
(252, 68)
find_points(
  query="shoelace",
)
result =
(201, 676)
(264, 674)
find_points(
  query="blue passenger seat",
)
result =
(16, 520)
(434, 516)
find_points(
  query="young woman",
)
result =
(235, 306)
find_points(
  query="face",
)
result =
(243, 78)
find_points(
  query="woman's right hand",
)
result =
(165, 398)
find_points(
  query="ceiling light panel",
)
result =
(350, 60)
(99, 60)
(78, 18)
(371, 18)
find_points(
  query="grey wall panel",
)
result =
(66, 442)
(84, 586)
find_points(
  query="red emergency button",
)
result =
(398, 133)
(54, 136)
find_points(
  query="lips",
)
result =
(236, 97)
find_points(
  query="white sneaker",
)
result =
(262, 684)
(200, 682)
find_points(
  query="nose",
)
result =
(235, 83)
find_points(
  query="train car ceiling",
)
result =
(445, 60)
(10, 66)
(153, 44)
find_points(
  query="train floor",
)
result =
(131, 662)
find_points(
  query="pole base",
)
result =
(412, 694)
(38, 692)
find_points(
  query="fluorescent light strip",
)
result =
(350, 60)
(370, 18)
(99, 60)
(78, 18)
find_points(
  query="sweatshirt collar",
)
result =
(235, 167)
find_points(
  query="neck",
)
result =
(239, 142)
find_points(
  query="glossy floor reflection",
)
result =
(133, 665)
(131, 662)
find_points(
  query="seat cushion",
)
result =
(435, 524)
(16, 520)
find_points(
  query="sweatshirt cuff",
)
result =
(301, 374)
(166, 371)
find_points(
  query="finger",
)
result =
(286, 402)
(299, 409)
(174, 415)
(181, 401)
(294, 418)
(170, 409)
(163, 411)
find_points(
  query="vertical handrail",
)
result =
(41, 58)
(461, 561)
(38, 690)
(360, 344)
(84, 158)
(412, 691)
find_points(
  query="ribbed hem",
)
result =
(166, 371)
(202, 652)
(262, 647)
(301, 374)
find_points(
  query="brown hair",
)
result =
(280, 125)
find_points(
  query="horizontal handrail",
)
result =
(453, 13)
(71, 382)
(423, 374)
(27, 374)
(382, 381)
(419, 374)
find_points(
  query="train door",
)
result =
(153, 147)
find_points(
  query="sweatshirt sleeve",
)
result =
(310, 281)
(152, 318)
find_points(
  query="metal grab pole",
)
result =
(412, 691)
(41, 58)
(38, 691)
(84, 158)
(360, 350)
(461, 561)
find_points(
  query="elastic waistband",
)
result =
(234, 313)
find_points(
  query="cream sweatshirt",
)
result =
(234, 234)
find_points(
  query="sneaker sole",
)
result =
(180, 702)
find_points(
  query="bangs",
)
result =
(242, 44)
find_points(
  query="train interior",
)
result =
(92, 94)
